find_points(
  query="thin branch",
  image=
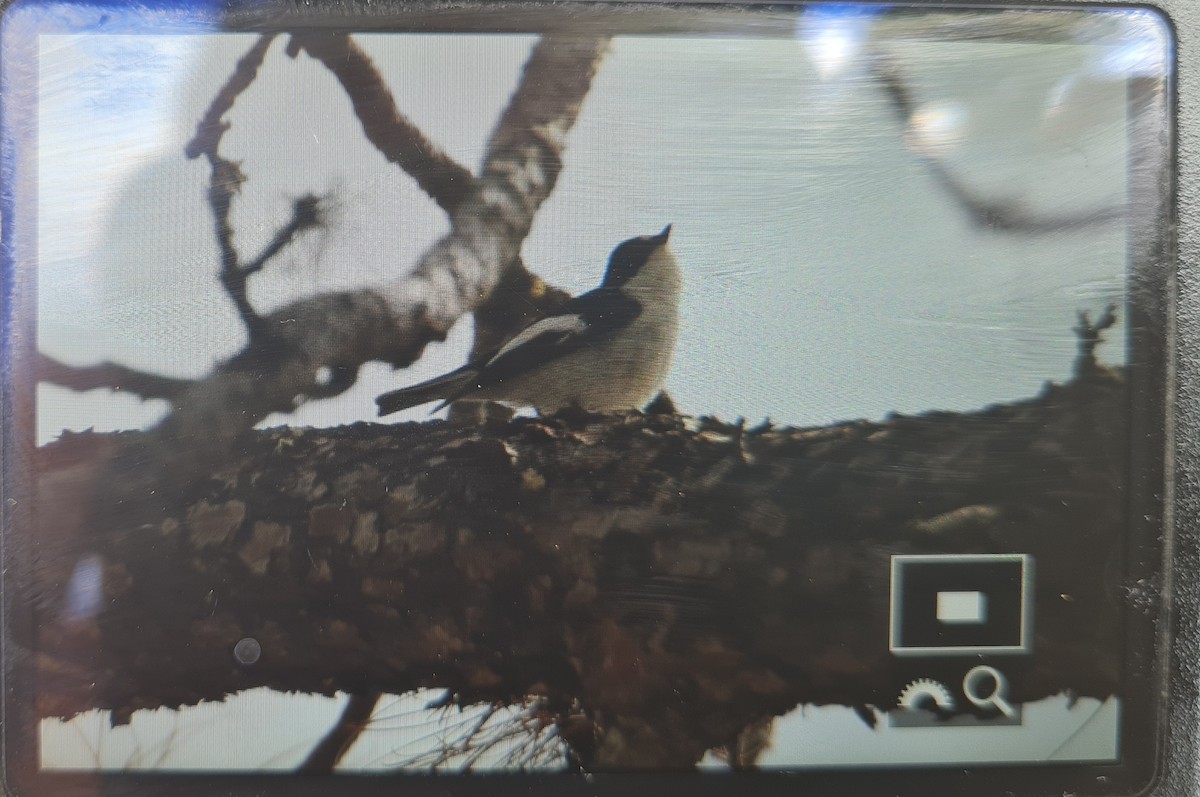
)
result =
(392, 133)
(1089, 335)
(325, 756)
(109, 376)
(226, 178)
(226, 181)
(211, 127)
(987, 212)
(306, 214)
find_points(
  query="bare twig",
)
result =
(1090, 337)
(306, 214)
(227, 177)
(994, 214)
(226, 181)
(520, 737)
(211, 128)
(110, 376)
(392, 133)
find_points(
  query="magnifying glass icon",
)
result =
(983, 694)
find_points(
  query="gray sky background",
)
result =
(827, 276)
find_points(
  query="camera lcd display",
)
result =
(803, 413)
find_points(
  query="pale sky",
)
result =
(827, 277)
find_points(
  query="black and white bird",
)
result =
(608, 349)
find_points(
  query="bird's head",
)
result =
(627, 260)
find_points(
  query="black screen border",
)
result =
(1165, 649)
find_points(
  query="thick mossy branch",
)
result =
(681, 580)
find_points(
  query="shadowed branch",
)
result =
(392, 133)
(111, 376)
(984, 211)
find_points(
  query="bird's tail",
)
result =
(446, 387)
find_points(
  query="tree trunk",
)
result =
(680, 579)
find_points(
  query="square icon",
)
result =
(961, 607)
(961, 604)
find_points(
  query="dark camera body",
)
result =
(600, 569)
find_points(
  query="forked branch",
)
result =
(226, 178)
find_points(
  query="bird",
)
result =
(606, 350)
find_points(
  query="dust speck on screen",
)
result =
(587, 389)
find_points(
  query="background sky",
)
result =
(827, 275)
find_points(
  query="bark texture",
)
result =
(680, 579)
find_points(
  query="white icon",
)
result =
(917, 694)
(926, 703)
(995, 697)
(961, 608)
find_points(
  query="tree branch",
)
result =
(306, 214)
(325, 756)
(226, 178)
(986, 212)
(392, 133)
(678, 580)
(110, 376)
(520, 298)
(394, 324)
(1089, 335)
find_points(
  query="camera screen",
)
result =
(584, 388)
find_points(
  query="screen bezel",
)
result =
(1146, 640)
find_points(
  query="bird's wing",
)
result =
(585, 321)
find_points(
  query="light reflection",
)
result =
(834, 35)
(1147, 48)
(85, 589)
(1076, 104)
(1143, 57)
(937, 128)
